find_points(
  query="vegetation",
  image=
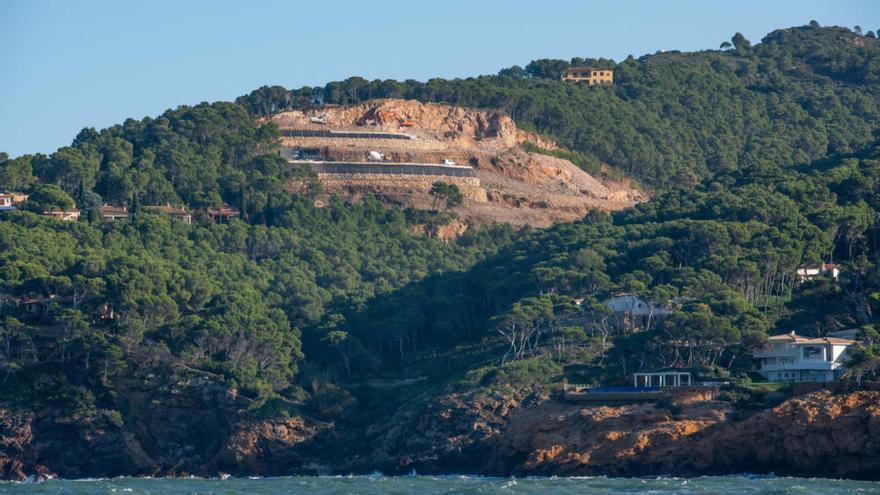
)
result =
(671, 119)
(764, 159)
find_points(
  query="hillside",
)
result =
(516, 186)
(671, 119)
(316, 332)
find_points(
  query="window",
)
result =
(813, 353)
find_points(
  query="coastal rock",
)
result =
(820, 434)
(266, 448)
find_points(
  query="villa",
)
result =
(831, 270)
(794, 358)
(634, 312)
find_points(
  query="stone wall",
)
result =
(469, 186)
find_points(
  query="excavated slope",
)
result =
(520, 187)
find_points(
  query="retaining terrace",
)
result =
(396, 176)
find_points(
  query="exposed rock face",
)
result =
(817, 435)
(511, 185)
(195, 428)
(820, 434)
(267, 448)
(447, 126)
(560, 439)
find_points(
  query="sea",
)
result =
(416, 485)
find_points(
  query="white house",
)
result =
(793, 358)
(824, 270)
(633, 311)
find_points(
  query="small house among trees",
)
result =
(70, 215)
(831, 270)
(6, 202)
(633, 312)
(113, 213)
(223, 213)
(178, 213)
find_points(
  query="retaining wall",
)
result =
(469, 186)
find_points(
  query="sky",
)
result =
(68, 65)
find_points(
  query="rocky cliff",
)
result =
(820, 434)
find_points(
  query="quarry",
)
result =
(397, 149)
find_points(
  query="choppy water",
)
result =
(416, 485)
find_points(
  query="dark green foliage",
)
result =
(762, 159)
(672, 119)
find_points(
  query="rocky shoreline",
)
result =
(821, 434)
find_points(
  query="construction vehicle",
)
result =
(384, 116)
(447, 161)
(318, 120)
(375, 156)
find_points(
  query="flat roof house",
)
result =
(589, 75)
(824, 270)
(794, 358)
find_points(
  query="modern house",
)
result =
(831, 270)
(178, 213)
(671, 378)
(114, 213)
(71, 215)
(633, 312)
(794, 358)
(589, 75)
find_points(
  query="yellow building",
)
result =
(589, 75)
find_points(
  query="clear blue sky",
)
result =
(66, 65)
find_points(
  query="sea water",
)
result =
(714, 485)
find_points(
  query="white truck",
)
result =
(375, 156)
(447, 161)
(318, 120)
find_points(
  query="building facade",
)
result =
(794, 358)
(589, 75)
(114, 213)
(831, 270)
(177, 213)
(633, 312)
(6, 202)
(71, 215)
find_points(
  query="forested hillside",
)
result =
(671, 118)
(763, 159)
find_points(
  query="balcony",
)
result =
(801, 364)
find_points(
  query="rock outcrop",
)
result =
(820, 434)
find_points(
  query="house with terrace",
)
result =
(794, 358)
